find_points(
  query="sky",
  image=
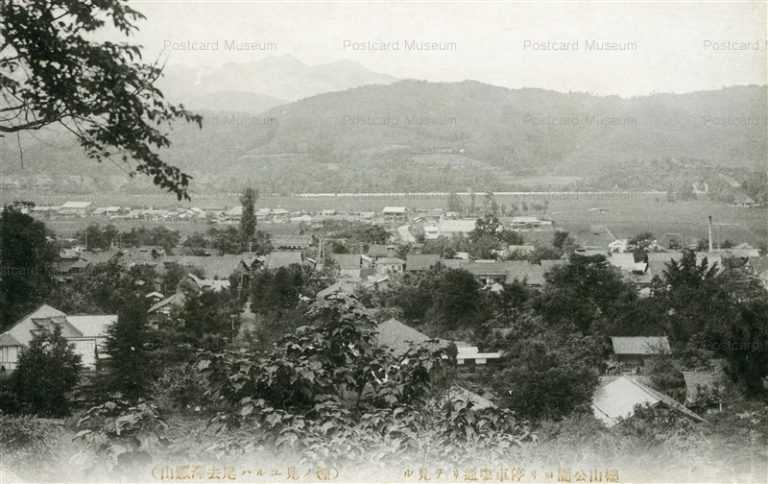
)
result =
(604, 48)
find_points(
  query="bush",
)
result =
(179, 388)
(48, 371)
(125, 434)
(26, 442)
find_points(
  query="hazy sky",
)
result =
(657, 47)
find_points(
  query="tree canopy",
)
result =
(52, 71)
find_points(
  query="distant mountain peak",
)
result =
(279, 76)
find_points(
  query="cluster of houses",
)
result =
(642, 272)
(622, 387)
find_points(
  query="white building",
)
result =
(86, 333)
(449, 227)
(80, 209)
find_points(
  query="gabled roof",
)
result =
(8, 340)
(93, 326)
(214, 285)
(46, 317)
(640, 345)
(177, 299)
(617, 398)
(421, 262)
(21, 331)
(389, 260)
(49, 323)
(398, 335)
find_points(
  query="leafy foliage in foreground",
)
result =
(329, 393)
(123, 433)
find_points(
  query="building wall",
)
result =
(9, 357)
(86, 348)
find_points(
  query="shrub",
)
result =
(48, 371)
(126, 434)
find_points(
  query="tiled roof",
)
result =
(389, 260)
(640, 345)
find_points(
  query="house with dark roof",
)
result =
(381, 250)
(291, 242)
(86, 333)
(421, 262)
(487, 273)
(635, 350)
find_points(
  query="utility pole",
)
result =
(709, 231)
(21, 151)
